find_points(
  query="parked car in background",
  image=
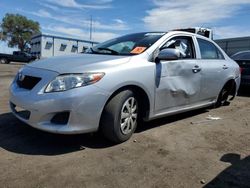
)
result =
(117, 83)
(243, 59)
(16, 57)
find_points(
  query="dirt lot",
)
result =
(179, 151)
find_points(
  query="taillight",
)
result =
(241, 69)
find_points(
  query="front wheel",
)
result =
(4, 61)
(120, 117)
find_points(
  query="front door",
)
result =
(178, 82)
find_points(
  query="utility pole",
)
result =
(90, 29)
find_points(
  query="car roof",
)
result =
(190, 34)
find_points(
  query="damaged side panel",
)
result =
(177, 84)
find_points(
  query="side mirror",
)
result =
(169, 54)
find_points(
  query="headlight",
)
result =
(69, 81)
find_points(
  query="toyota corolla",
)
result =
(118, 83)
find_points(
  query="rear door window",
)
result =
(208, 50)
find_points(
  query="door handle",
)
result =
(196, 69)
(225, 67)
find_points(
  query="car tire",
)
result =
(222, 97)
(120, 117)
(4, 61)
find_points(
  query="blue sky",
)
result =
(111, 18)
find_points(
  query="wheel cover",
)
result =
(2, 61)
(224, 96)
(129, 114)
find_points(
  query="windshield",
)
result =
(127, 45)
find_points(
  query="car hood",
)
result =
(79, 63)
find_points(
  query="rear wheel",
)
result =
(4, 61)
(120, 117)
(223, 96)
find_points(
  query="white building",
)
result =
(44, 45)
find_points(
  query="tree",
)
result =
(17, 30)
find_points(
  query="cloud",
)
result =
(101, 4)
(42, 13)
(117, 25)
(76, 26)
(104, 1)
(46, 5)
(79, 33)
(58, 9)
(171, 14)
(230, 32)
(119, 21)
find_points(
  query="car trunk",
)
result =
(245, 66)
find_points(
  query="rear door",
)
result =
(214, 69)
(178, 82)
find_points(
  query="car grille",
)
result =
(28, 82)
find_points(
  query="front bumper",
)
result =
(84, 105)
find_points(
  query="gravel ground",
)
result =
(185, 150)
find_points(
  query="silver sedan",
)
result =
(118, 83)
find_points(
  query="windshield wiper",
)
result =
(93, 51)
(108, 49)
